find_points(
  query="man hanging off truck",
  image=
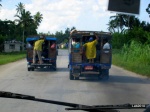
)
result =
(90, 49)
(38, 49)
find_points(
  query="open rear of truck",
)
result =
(78, 63)
(49, 55)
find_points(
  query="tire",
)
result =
(71, 76)
(76, 78)
(32, 68)
(28, 69)
(54, 66)
(54, 69)
(104, 75)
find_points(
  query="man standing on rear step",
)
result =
(38, 49)
(90, 47)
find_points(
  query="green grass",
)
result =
(11, 57)
(135, 58)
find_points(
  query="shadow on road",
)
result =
(63, 70)
(52, 70)
(118, 79)
(129, 79)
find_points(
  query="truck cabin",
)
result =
(47, 50)
(78, 53)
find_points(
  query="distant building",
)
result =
(11, 46)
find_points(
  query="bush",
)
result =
(139, 35)
(134, 57)
(118, 40)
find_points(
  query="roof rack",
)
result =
(98, 32)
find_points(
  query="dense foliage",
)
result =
(25, 24)
(131, 43)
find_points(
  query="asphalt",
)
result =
(123, 87)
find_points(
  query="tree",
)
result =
(20, 8)
(28, 23)
(121, 22)
(25, 19)
(7, 28)
(148, 9)
(0, 4)
(112, 26)
(38, 18)
(117, 22)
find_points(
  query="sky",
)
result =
(89, 15)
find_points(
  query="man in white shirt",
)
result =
(106, 45)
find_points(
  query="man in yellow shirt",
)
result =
(38, 49)
(90, 47)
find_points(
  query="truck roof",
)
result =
(37, 37)
(80, 34)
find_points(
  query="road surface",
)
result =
(122, 87)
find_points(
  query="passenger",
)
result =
(76, 44)
(106, 45)
(90, 49)
(29, 46)
(53, 45)
(38, 49)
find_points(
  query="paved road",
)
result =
(122, 87)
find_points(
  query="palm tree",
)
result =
(0, 4)
(112, 26)
(25, 20)
(20, 8)
(122, 21)
(119, 21)
(38, 18)
(148, 9)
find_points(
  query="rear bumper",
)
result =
(82, 65)
(79, 69)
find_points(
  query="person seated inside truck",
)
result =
(90, 49)
(106, 45)
(38, 49)
(53, 45)
(76, 44)
(53, 49)
(29, 46)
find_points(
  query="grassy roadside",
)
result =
(124, 60)
(11, 57)
(128, 62)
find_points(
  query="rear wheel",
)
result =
(71, 76)
(76, 78)
(28, 69)
(104, 74)
(32, 68)
(54, 66)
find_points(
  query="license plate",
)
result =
(88, 68)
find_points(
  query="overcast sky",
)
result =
(60, 14)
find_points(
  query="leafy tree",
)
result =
(7, 29)
(148, 9)
(27, 23)
(38, 18)
(117, 22)
(0, 4)
(112, 26)
(2, 38)
(139, 35)
(24, 21)
(20, 8)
